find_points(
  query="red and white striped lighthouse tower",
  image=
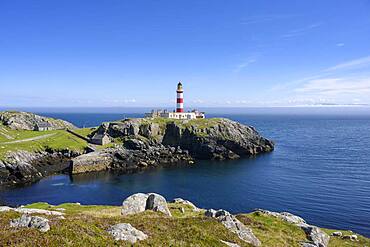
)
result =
(180, 98)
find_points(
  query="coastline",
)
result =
(173, 222)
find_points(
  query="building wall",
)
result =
(179, 115)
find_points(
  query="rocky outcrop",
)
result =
(288, 217)
(186, 202)
(154, 142)
(129, 159)
(29, 121)
(157, 203)
(126, 232)
(202, 138)
(30, 211)
(234, 225)
(140, 202)
(37, 222)
(95, 161)
(26, 167)
(134, 204)
(317, 237)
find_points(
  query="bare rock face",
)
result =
(95, 161)
(157, 203)
(29, 121)
(27, 167)
(202, 138)
(234, 225)
(129, 159)
(126, 232)
(37, 222)
(140, 202)
(288, 217)
(316, 235)
(134, 204)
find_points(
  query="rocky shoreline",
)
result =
(138, 144)
(133, 223)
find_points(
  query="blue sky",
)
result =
(227, 53)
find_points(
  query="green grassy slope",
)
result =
(87, 225)
(55, 139)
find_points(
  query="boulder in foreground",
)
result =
(234, 225)
(37, 222)
(126, 232)
(140, 202)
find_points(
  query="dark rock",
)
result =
(220, 139)
(157, 203)
(27, 167)
(350, 237)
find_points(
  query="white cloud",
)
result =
(340, 44)
(244, 64)
(265, 18)
(301, 31)
(198, 101)
(337, 86)
(353, 64)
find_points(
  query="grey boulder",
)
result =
(140, 202)
(37, 222)
(134, 204)
(126, 232)
(288, 217)
(234, 225)
(316, 235)
(157, 203)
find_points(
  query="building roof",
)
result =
(43, 124)
(99, 136)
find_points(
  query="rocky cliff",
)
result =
(28, 167)
(152, 142)
(28, 121)
(139, 143)
(216, 138)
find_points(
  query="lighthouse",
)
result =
(180, 98)
(179, 113)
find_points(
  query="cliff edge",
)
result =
(147, 142)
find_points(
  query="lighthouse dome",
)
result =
(179, 86)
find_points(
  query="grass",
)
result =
(59, 140)
(86, 225)
(85, 132)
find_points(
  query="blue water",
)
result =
(320, 170)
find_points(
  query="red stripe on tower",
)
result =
(180, 98)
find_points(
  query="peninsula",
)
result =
(28, 153)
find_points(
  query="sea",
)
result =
(320, 169)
